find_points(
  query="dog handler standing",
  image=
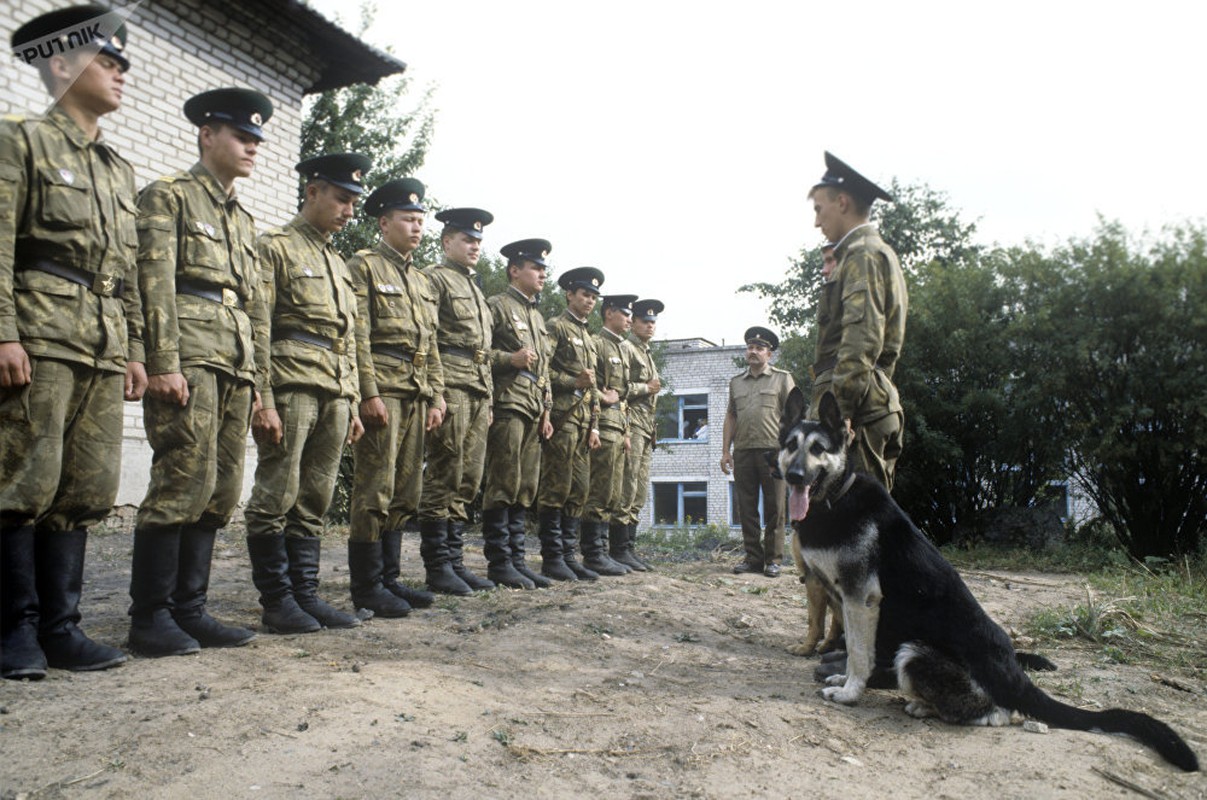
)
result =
(860, 320)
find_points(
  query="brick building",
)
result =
(178, 48)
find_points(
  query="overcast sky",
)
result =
(672, 144)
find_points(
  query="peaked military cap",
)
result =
(648, 309)
(763, 336)
(245, 109)
(588, 278)
(534, 250)
(404, 194)
(623, 302)
(469, 221)
(840, 176)
(59, 32)
(345, 170)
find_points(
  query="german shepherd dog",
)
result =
(909, 618)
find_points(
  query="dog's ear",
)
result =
(831, 416)
(794, 409)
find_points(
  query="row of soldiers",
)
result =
(168, 295)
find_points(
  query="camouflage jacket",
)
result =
(612, 372)
(396, 326)
(640, 401)
(518, 323)
(308, 292)
(193, 237)
(464, 328)
(70, 201)
(573, 351)
(860, 328)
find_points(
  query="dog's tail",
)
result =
(1141, 727)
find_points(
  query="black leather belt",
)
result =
(334, 345)
(97, 282)
(401, 353)
(532, 376)
(208, 291)
(476, 356)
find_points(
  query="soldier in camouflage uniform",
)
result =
(456, 451)
(565, 460)
(205, 320)
(643, 388)
(400, 374)
(860, 320)
(601, 517)
(309, 408)
(522, 401)
(70, 340)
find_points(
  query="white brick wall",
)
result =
(178, 48)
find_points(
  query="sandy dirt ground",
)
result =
(670, 684)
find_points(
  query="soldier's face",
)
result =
(93, 80)
(617, 321)
(757, 354)
(644, 328)
(827, 213)
(402, 230)
(229, 152)
(528, 278)
(461, 248)
(828, 263)
(581, 302)
(333, 207)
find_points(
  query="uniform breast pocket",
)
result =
(464, 307)
(308, 286)
(390, 301)
(854, 302)
(66, 199)
(205, 246)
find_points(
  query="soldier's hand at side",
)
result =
(355, 430)
(609, 396)
(546, 427)
(655, 386)
(435, 417)
(585, 379)
(373, 413)
(628, 444)
(727, 463)
(266, 426)
(136, 380)
(14, 365)
(169, 387)
(594, 442)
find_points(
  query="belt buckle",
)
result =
(229, 297)
(103, 284)
(541, 381)
(419, 359)
(479, 356)
(337, 346)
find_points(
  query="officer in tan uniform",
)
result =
(456, 451)
(601, 517)
(309, 408)
(752, 421)
(565, 459)
(400, 374)
(644, 386)
(522, 401)
(70, 337)
(860, 320)
(205, 319)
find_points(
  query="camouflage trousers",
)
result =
(752, 476)
(636, 476)
(197, 470)
(456, 452)
(296, 478)
(877, 446)
(388, 474)
(513, 461)
(606, 495)
(566, 468)
(60, 446)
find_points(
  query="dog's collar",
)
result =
(846, 487)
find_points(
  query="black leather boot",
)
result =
(631, 547)
(595, 557)
(192, 585)
(365, 567)
(391, 568)
(433, 548)
(59, 557)
(550, 534)
(517, 517)
(496, 535)
(20, 655)
(570, 533)
(456, 558)
(304, 553)
(270, 574)
(153, 570)
(618, 547)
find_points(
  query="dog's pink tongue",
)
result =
(798, 503)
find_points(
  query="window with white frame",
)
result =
(683, 417)
(681, 503)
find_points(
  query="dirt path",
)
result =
(667, 685)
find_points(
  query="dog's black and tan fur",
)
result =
(909, 618)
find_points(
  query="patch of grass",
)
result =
(1064, 557)
(684, 542)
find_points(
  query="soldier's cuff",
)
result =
(161, 363)
(8, 329)
(135, 352)
(368, 389)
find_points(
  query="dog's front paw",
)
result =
(802, 649)
(836, 680)
(842, 694)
